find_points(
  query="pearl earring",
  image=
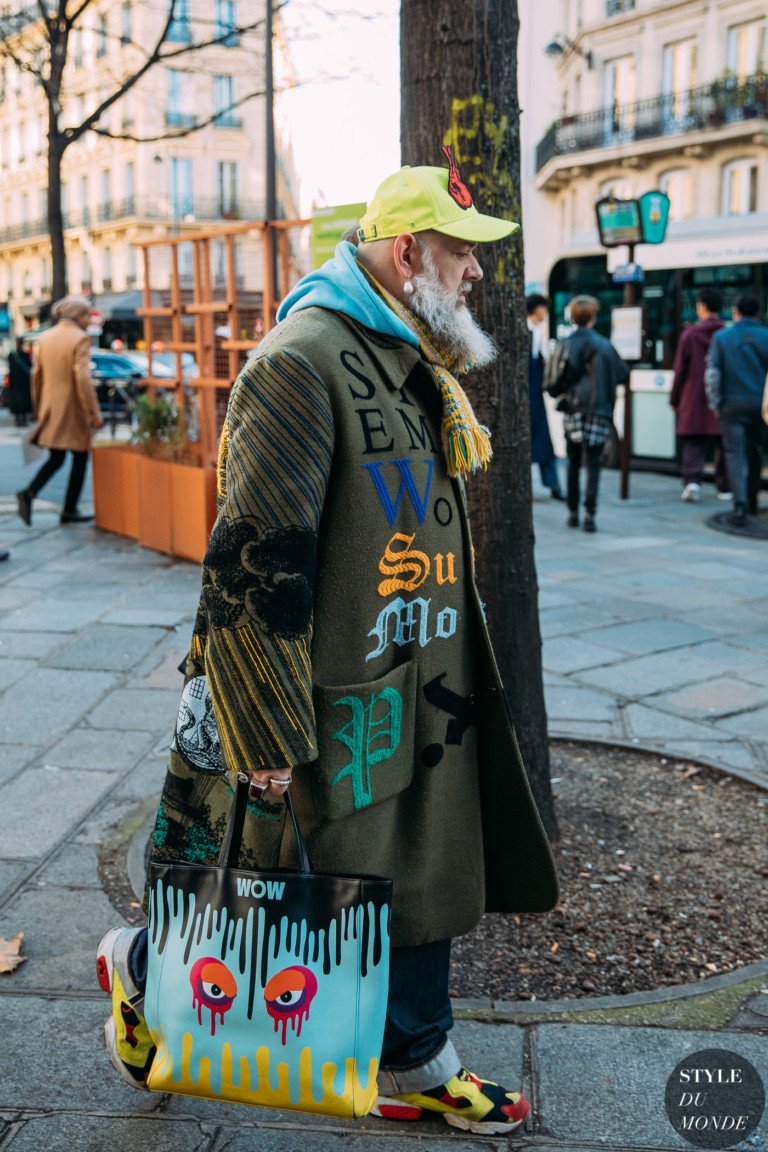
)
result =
(408, 288)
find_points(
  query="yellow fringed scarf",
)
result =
(466, 442)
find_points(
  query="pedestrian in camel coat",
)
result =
(65, 404)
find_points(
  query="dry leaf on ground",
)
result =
(10, 953)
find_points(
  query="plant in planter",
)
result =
(177, 496)
(158, 427)
(722, 96)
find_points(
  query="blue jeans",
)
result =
(416, 1052)
(742, 439)
(549, 477)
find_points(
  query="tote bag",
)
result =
(267, 988)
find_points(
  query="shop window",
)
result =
(678, 185)
(739, 188)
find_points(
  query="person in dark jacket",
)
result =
(542, 452)
(594, 370)
(735, 378)
(20, 383)
(697, 426)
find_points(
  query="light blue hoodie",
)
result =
(342, 286)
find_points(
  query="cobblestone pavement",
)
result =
(655, 630)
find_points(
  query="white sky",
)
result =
(344, 118)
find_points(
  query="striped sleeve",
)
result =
(259, 572)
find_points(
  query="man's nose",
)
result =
(474, 271)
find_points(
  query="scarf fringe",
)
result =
(467, 449)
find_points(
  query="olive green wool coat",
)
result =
(341, 635)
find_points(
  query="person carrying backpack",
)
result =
(584, 372)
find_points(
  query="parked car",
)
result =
(164, 364)
(118, 382)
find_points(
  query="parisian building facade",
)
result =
(154, 181)
(621, 97)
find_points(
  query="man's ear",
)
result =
(406, 255)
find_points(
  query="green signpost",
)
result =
(642, 220)
(654, 214)
(329, 224)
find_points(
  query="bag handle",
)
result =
(233, 836)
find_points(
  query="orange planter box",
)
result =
(155, 504)
(193, 509)
(106, 463)
(168, 507)
(129, 479)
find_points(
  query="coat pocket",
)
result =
(365, 735)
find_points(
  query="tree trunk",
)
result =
(458, 76)
(55, 214)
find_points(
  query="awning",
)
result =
(118, 305)
(35, 333)
(35, 307)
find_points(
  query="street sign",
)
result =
(654, 214)
(628, 274)
(627, 332)
(618, 222)
(329, 225)
(95, 323)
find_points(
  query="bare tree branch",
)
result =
(72, 134)
(186, 49)
(73, 18)
(196, 127)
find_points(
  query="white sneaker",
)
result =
(725, 496)
(691, 493)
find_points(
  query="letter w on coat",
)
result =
(407, 484)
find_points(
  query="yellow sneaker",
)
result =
(126, 1034)
(465, 1101)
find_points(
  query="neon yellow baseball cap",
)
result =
(419, 199)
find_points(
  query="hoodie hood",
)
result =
(341, 286)
(704, 330)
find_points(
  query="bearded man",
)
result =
(341, 648)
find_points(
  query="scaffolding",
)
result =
(218, 295)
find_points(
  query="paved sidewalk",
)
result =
(648, 625)
(655, 629)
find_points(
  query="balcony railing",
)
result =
(613, 7)
(724, 101)
(144, 209)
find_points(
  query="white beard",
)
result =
(450, 322)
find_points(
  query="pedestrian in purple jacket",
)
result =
(697, 426)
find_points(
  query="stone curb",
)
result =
(629, 746)
(501, 1011)
(523, 1011)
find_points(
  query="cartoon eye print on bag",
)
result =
(213, 987)
(288, 996)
